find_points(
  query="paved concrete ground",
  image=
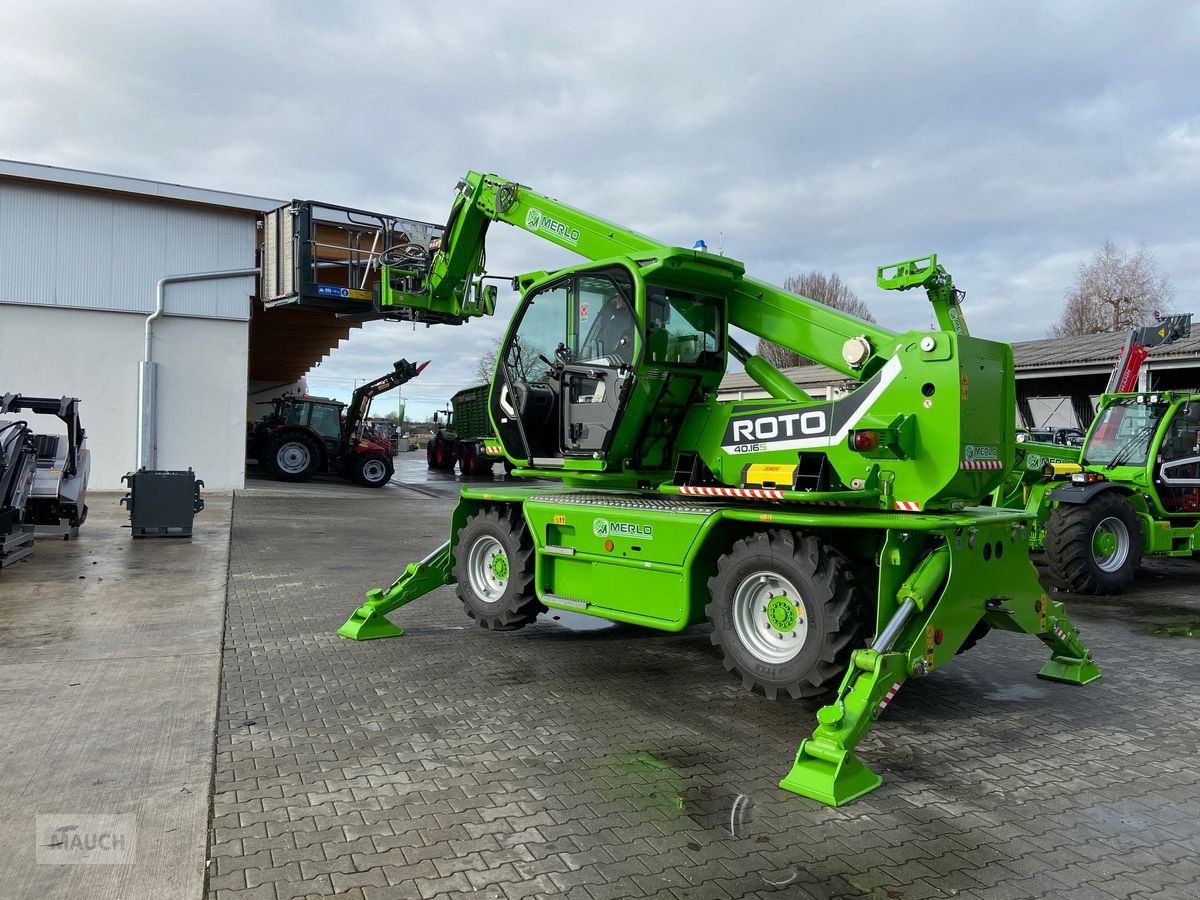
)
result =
(109, 665)
(593, 762)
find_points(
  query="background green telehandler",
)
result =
(1132, 489)
(836, 547)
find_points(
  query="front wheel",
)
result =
(1095, 547)
(785, 612)
(372, 470)
(493, 568)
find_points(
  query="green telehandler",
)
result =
(1132, 489)
(835, 546)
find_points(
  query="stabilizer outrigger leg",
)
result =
(826, 768)
(368, 622)
(1070, 662)
(922, 635)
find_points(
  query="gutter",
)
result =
(147, 376)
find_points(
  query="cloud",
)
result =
(1011, 138)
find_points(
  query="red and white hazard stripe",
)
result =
(981, 464)
(746, 493)
(887, 698)
(908, 505)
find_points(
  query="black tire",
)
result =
(372, 470)
(497, 601)
(295, 456)
(1072, 534)
(262, 453)
(466, 459)
(784, 659)
(471, 461)
(439, 454)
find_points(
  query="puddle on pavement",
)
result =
(1177, 629)
(579, 622)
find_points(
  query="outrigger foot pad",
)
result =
(366, 624)
(1070, 661)
(368, 621)
(1070, 671)
(832, 777)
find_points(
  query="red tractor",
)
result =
(306, 435)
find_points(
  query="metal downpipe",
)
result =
(147, 375)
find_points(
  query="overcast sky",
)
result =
(1011, 138)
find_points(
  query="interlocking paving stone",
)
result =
(602, 762)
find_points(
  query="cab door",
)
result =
(326, 421)
(1177, 463)
(598, 371)
(524, 402)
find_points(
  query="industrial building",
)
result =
(83, 259)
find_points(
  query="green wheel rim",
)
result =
(1110, 544)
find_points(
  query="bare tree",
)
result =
(487, 364)
(1114, 291)
(827, 289)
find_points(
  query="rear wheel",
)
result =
(439, 453)
(262, 452)
(785, 612)
(471, 461)
(295, 456)
(372, 469)
(493, 568)
(1095, 547)
(467, 458)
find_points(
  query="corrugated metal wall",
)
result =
(76, 248)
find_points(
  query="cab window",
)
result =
(682, 329)
(605, 325)
(326, 421)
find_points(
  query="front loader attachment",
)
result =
(369, 622)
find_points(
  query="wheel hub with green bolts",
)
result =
(1110, 544)
(487, 568)
(768, 616)
(781, 613)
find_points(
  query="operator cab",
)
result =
(570, 364)
(1125, 434)
(1177, 474)
(323, 416)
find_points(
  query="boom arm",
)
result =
(447, 287)
(360, 401)
(1141, 340)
